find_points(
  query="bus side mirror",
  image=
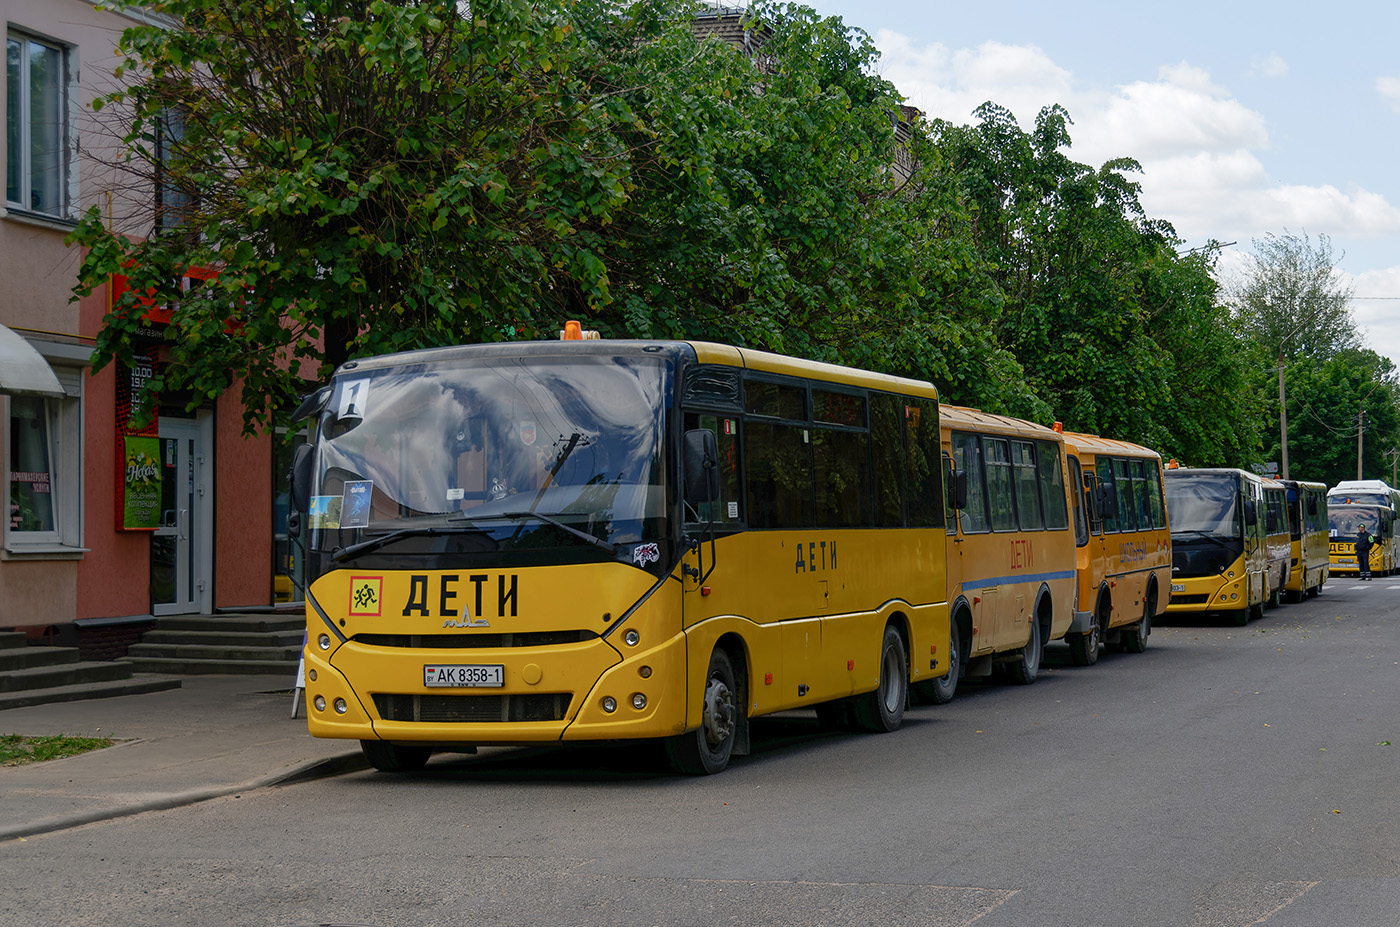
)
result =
(960, 489)
(701, 466)
(300, 478)
(1251, 513)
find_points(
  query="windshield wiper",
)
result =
(584, 535)
(1204, 535)
(422, 531)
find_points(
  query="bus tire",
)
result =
(1135, 638)
(882, 711)
(940, 691)
(387, 757)
(1027, 667)
(707, 749)
(1084, 648)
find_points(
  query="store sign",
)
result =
(140, 496)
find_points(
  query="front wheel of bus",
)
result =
(940, 691)
(1135, 638)
(1084, 648)
(707, 749)
(882, 711)
(387, 757)
(1025, 670)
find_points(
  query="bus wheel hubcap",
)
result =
(719, 712)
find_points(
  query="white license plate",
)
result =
(1347, 560)
(1178, 587)
(469, 676)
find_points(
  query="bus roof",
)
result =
(701, 351)
(986, 421)
(1100, 445)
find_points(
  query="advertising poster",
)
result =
(141, 483)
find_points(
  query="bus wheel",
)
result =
(706, 750)
(940, 691)
(1084, 648)
(882, 711)
(1135, 638)
(1025, 670)
(387, 757)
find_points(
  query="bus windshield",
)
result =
(1205, 504)
(1346, 521)
(514, 452)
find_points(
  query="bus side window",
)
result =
(967, 457)
(887, 445)
(1000, 498)
(1109, 487)
(1081, 524)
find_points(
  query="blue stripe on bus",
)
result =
(1026, 578)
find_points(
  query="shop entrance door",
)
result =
(182, 547)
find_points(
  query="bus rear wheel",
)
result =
(387, 757)
(882, 711)
(1027, 667)
(707, 749)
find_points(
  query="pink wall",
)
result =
(114, 575)
(242, 509)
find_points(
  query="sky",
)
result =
(1247, 118)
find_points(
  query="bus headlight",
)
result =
(324, 642)
(340, 706)
(320, 703)
(632, 638)
(639, 701)
(609, 704)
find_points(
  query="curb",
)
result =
(315, 769)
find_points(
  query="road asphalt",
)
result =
(212, 736)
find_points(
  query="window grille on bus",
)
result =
(534, 706)
(1189, 599)
(473, 641)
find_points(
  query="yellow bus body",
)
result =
(1002, 580)
(1278, 542)
(1342, 547)
(1240, 584)
(802, 613)
(1309, 551)
(1124, 573)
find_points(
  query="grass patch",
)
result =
(16, 749)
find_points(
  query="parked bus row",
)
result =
(596, 541)
(1241, 541)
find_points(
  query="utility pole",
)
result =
(1282, 414)
(1360, 430)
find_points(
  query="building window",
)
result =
(36, 125)
(32, 480)
(41, 465)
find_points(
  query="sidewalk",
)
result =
(213, 736)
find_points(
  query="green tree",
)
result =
(1329, 398)
(366, 176)
(1118, 333)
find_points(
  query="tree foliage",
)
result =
(1293, 300)
(371, 176)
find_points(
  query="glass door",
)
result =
(180, 563)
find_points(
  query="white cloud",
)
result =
(1199, 146)
(1272, 66)
(1389, 89)
(1379, 318)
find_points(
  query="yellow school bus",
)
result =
(1278, 543)
(1344, 522)
(1124, 548)
(1010, 567)
(1218, 552)
(591, 540)
(1308, 546)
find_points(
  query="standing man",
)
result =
(1363, 551)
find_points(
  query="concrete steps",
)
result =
(39, 675)
(232, 644)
